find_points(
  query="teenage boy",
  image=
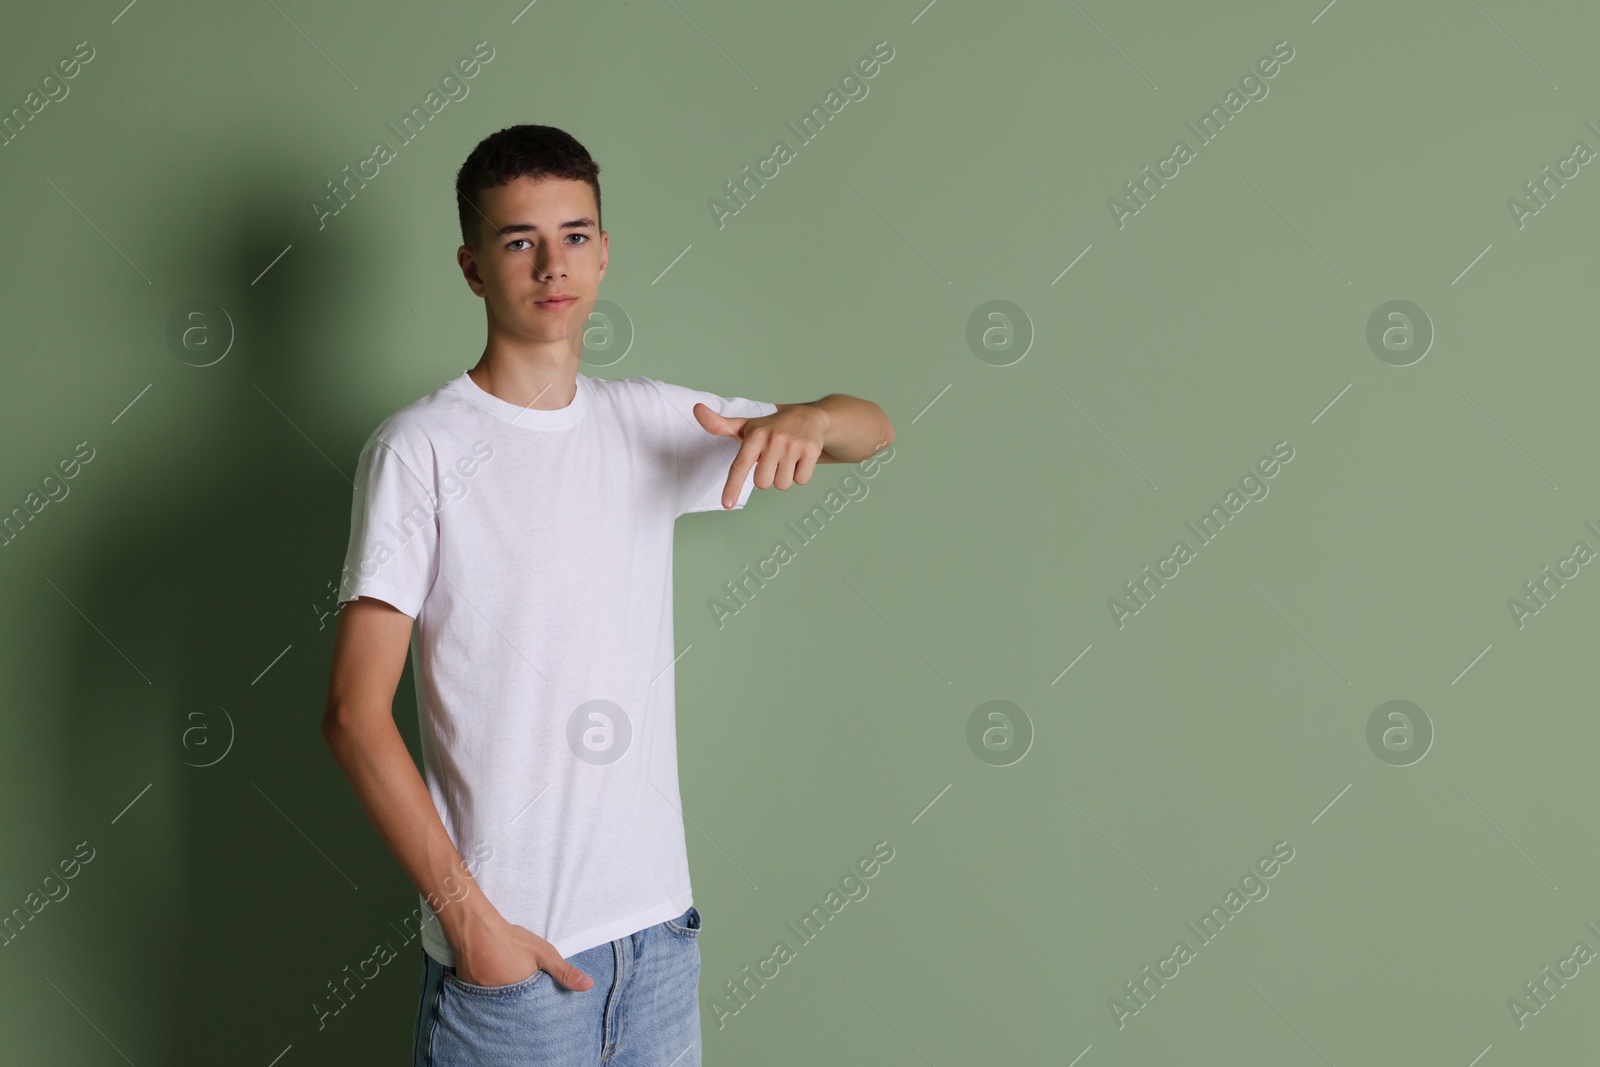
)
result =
(522, 514)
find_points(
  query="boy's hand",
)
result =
(783, 447)
(517, 953)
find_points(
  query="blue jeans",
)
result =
(642, 1010)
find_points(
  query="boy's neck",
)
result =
(542, 381)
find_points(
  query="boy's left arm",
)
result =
(785, 446)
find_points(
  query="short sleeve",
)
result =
(701, 460)
(393, 554)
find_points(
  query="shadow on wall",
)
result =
(238, 900)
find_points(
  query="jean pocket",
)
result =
(686, 926)
(514, 988)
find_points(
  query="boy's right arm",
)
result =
(369, 653)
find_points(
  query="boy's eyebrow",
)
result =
(525, 227)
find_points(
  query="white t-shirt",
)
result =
(534, 549)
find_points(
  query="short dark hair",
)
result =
(516, 152)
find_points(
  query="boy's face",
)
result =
(540, 239)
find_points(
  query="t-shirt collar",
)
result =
(526, 418)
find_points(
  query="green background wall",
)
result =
(165, 648)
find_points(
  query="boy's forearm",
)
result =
(856, 428)
(375, 759)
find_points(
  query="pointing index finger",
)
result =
(743, 463)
